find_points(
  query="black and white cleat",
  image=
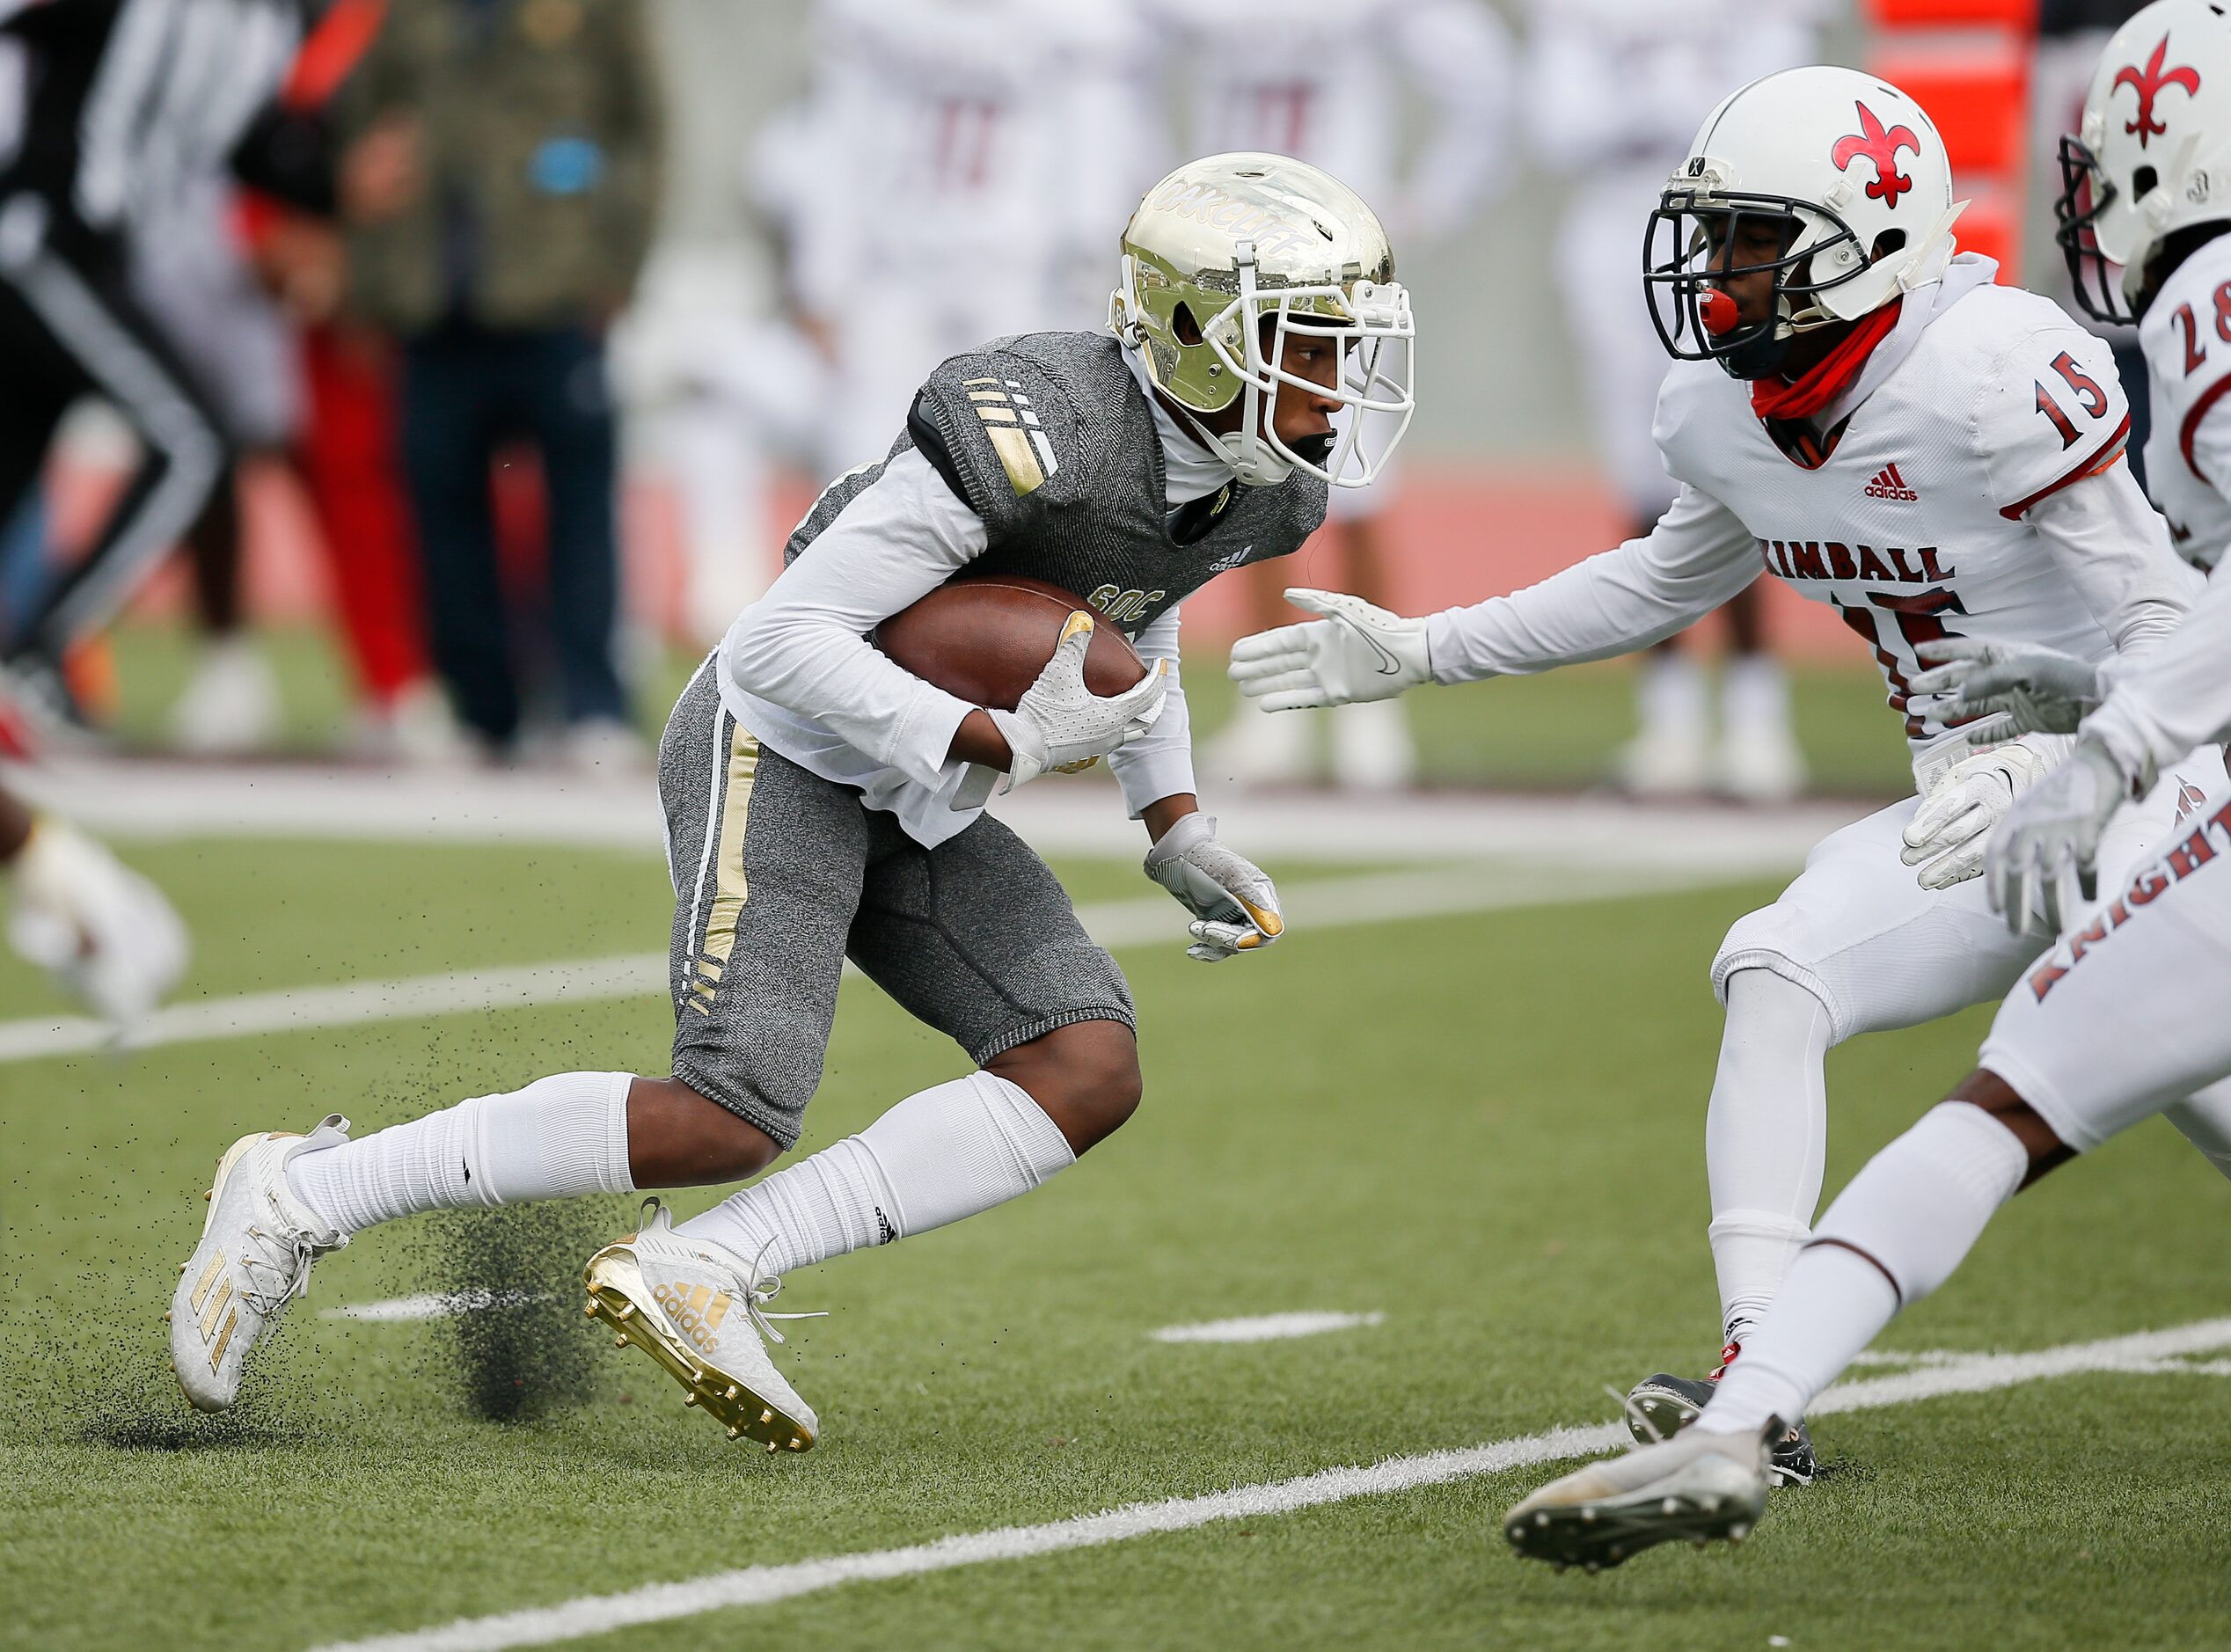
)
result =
(1694, 1488)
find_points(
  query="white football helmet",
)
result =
(1229, 243)
(1851, 174)
(2154, 155)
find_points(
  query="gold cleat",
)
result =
(746, 1406)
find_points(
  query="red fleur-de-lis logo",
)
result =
(2147, 83)
(1871, 142)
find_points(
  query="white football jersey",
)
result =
(2186, 334)
(1617, 84)
(1322, 80)
(1911, 524)
(962, 140)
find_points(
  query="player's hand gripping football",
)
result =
(2045, 856)
(1355, 651)
(2039, 689)
(1234, 907)
(1946, 835)
(1061, 724)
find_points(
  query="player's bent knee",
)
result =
(1986, 1089)
(679, 1138)
(1085, 1075)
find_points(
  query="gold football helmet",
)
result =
(1229, 243)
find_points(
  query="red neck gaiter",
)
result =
(1828, 377)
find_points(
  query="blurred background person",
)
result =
(952, 156)
(121, 106)
(501, 176)
(1323, 80)
(1615, 92)
(345, 450)
(190, 269)
(725, 388)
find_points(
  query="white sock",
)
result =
(1893, 1236)
(1765, 1139)
(557, 1137)
(938, 1156)
(1754, 694)
(1672, 697)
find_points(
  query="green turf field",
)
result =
(1555, 732)
(1485, 1127)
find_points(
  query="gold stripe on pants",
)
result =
(730, 888)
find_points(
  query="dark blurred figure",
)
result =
(347, 447)
(2071, 35)
(501, 177)
(123, 103)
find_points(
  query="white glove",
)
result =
(1948, 830)
(2040, 689)
(1063, 726)
(1234, 907)
(2044, 856)
(106, 933)
(1357, 652)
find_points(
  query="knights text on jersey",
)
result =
(2186, 334)
(1913, 527)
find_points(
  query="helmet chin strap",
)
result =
(1253, 461)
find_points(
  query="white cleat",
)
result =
(105, 934)
(231, 707)
(698, 1311)
(606, 746)
(1760, 765)
(1760, 760)
(1669, 762)
(1372, 750)
(1693, 1488)
(255, 1255)
(1260, 748)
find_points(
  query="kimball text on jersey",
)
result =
(1830, 559)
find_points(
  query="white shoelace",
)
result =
(762, 1288)
(288, 1255)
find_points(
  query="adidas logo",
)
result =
(696, 1311)
(1888, 484)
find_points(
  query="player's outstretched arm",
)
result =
(2176, 698)
(2043, 855)
(1698, 556)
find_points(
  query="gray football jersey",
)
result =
(1050, 439)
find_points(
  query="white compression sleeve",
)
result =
(1897, 1232)
(1765, 1139)
(2178, 695)
(941, 1154)
(557, 1138)
(1698, 556)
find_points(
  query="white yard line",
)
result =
(757, 1585)
(152, 799)
(1327, 904)
(1268, 1327)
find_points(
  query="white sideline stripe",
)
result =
(757, 1585)
(433, 1305)
(1265, 1328)
(1327, 904)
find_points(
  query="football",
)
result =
(986, 639)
